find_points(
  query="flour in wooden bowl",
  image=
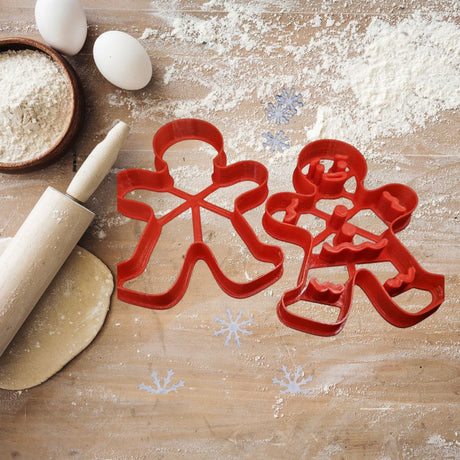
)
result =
(35, 105)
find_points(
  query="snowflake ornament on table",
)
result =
(276, 142)
(161, 387)
(290, 100)
(232, 327)
(285, 108)
(279, 113)
(293, 385)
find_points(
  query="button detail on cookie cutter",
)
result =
(161, 181)
(392, 203)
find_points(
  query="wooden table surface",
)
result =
(373, 390)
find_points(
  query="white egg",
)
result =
(62, 24)
(122, 60)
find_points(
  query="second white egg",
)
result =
(122, 60)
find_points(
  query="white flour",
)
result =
(398, 78)
(387, 80)
(377, 81)
(34, 105)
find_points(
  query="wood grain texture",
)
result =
(376, 391)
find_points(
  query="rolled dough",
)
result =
(63, 323)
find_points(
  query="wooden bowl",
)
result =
(77, 107)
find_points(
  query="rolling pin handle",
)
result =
(98, 164)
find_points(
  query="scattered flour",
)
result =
(368, 79)
(149, 33)
(361, 84)
(34, 105)
(439, 441)
(402, 76)
(389, 79)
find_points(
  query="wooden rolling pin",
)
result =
(48, 236)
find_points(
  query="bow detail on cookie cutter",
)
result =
(161, 181)
(392, 203)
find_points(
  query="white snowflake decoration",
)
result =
(161, 387)
(278, 142)
(232, 327)
(290, 100)
(293, 385)
(279, 113)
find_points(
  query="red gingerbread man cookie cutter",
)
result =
(392, 203)
(161, 181)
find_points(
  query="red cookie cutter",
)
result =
(161, 181)
(392, 203)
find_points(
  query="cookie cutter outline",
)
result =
(161, 181)
(393, 203)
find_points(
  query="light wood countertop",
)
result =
(375, 391)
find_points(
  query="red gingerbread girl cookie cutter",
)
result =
(392, 203)
(161, 181)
